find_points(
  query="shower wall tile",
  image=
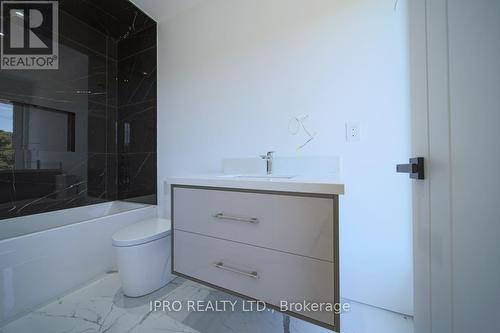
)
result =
(111, 132)
(112, 71)
(97, 128)
(72, 28)
(137, 175)
(112, 177)
(51, 89)
(92, 14)
(137, 127)
(138, 41)
(97, 175)
(137, 119)
(112, 102)
(137, 77)
(117, 18)
(30, 191)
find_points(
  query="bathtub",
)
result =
(43, 256)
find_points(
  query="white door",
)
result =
(455, 118)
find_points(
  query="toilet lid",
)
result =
(142, 232)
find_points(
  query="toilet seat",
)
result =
(142, 232)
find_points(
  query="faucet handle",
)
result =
(269, 155)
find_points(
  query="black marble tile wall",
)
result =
(137, 116)
(106, 85)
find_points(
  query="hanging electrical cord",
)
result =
(298, 123)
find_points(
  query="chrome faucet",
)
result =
(269, 161)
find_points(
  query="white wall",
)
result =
(233, 72)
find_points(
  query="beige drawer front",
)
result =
(259, 273)
(294, 224)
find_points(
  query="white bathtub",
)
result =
(45, 255)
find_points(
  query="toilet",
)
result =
(143, 253)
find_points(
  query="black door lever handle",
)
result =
(415, 168)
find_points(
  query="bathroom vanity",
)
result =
(269, 239)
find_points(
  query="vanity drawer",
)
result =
(296, 224)
(259, 273)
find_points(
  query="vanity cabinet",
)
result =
(271, 246)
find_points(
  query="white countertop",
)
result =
(327, 185)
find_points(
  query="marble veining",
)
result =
(106, 88)
(101, 307)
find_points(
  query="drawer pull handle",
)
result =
(221, 265)
(236, 218)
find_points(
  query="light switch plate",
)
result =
(352, 131)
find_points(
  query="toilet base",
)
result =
(144, 268)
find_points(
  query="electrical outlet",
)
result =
(352, 131)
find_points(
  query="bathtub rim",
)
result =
(140, 206)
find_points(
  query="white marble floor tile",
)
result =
(101, 307)
(240, 320)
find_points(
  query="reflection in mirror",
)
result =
(37, 145)
(6, 124)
